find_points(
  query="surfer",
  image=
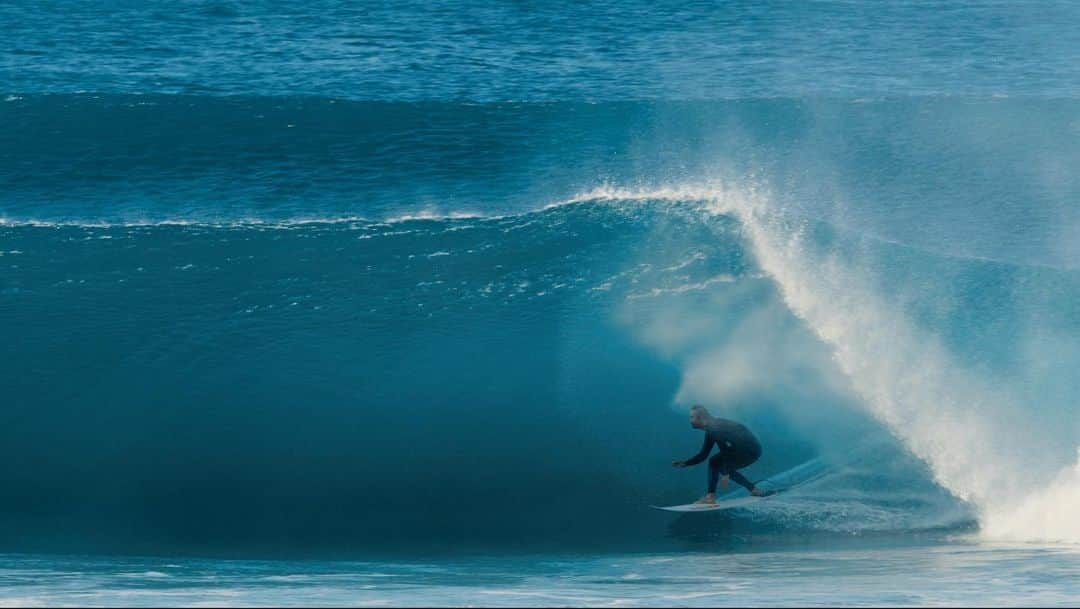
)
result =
(738, 448)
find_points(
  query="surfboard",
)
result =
(723, 504)
(799, 475)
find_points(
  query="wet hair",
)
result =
(699, 409)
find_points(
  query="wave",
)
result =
(760, 315)
(223, 328)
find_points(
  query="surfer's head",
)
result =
(699, 417)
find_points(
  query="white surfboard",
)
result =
(725, 504)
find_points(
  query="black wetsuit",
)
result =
(738, 448)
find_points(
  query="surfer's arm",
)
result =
(704, 452)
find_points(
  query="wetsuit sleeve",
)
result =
(704, 452)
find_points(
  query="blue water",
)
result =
(358, 303)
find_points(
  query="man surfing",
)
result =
(738, 448)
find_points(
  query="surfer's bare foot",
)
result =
(757, 492)
(708, 499)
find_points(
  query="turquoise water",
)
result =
(945, 574)
(332, 292)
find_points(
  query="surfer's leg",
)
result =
(742, 481)
(740, 458)
(716, 463)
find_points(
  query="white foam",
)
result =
(241, 222)
(1050, 513)
(691, 287)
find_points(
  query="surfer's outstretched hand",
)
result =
(678, 463)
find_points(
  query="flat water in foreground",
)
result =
(950, 573)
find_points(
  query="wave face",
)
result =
(340, 284)
(382, 384)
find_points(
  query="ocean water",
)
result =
(998, 575)
(364, 303)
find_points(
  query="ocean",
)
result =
(405, 303)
